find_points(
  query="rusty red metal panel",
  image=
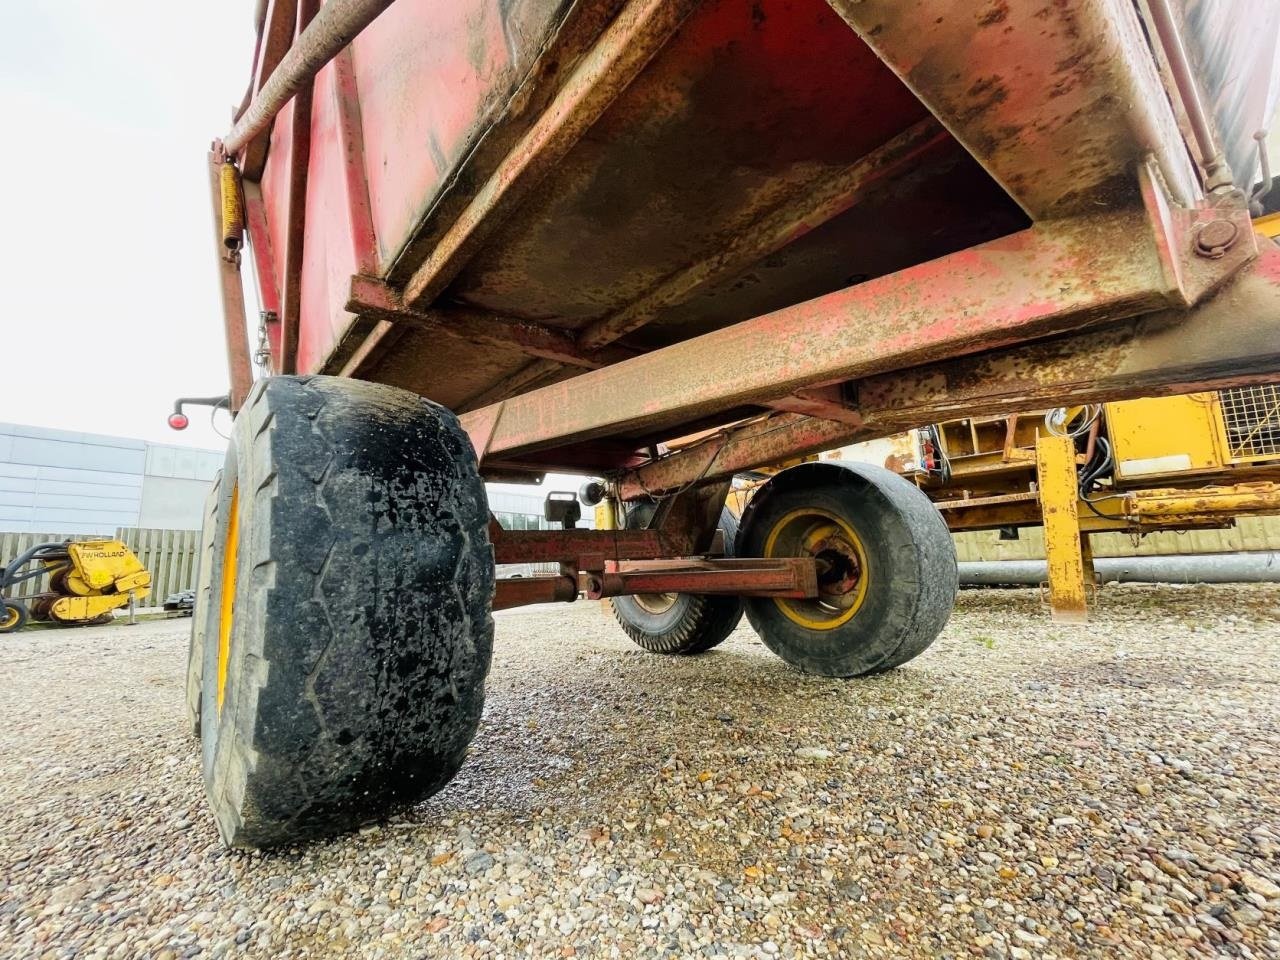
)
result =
(622, 51)
(434, 75)
(751, 106)
(1060, 101)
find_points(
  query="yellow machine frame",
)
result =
(1182, 462)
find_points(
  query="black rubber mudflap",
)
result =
(361, 629)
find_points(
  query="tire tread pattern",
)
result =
(365, 631)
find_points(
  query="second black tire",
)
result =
(887, 567)
(13, 616)
(679, 623)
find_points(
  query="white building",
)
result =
(62, 481)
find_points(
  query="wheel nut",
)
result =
(1215, 237)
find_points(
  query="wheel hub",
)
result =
(655, 603)
(840, 559)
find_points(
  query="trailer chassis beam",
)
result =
(1057, 276)
(1232, 339)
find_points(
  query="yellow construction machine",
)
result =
(1162, 463)
(88, 579)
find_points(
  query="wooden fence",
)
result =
(170, 555)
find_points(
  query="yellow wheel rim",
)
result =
(842, 566)
(10, 618)
(228, 594)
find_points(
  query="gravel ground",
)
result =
(1022, 790)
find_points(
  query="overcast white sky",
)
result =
(111, 303)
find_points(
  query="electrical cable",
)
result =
(1090, 475)
(1055, 421)
(214, 427)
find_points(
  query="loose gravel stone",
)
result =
(1024, 790)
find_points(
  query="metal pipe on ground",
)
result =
(1262, 567)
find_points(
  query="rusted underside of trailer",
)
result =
(791, 222)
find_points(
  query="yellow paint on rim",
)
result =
(228, 593)
(10, 617)
(806, 529)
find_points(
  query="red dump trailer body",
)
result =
(591, 227)
(491, 199)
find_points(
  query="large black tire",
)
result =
(360, 634)
(200, 613)
(877, 611)
(682, 623)
(13, 616)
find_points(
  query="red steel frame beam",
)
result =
(295, 228)
(1055, 277)
(375, 299)
(1231, 339)
(812, 205)
(795, 577)
(279, 27)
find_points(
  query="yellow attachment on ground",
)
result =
(105, 566)
(101, 577)
(77, 609)
(232, 208)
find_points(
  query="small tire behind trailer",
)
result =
(200, 613)
(349, 626)
(887, 574)
(680, 624)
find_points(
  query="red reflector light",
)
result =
(178, 421)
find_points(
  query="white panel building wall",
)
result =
(63, 481)
(60, 481)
